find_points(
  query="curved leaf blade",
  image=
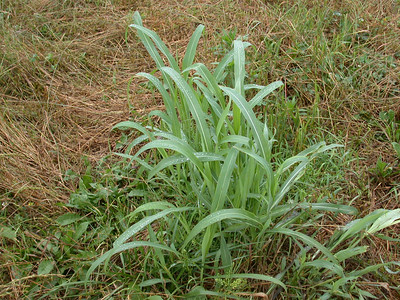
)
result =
(264, 92)
(224, 181)
(192, 46)
(124, 247)
(233, 213)
(308, 240)
(159, 43)
(143, 223)
(179, 159)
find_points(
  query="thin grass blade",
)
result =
(155, 205)
(284, 209)
(135, 228)
(239, 72)
(223, 120)
(179, 159)
(320, 263)
(192, 46)
(216, 108)
(358, 225)
(236, 139)
(163, 117)
(124, 247)
(134, 125)
(389, 218)
(208, 79)
(159, 43)
(289, 182)
(264, 92)
(146, 41)
(224, 180)
(175, 145)
(226, 60)
(239, 59)
(288, 163)
(230, 214)
(226, 258)
(252, 120)
(169, 103)
(263, 163)
(350, 252)
(308, 240)
(194, 106)
(220, 69)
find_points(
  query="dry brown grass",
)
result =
(63, 88)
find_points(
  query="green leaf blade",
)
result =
(233, 213)
(192, 46)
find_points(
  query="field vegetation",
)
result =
(199, 149)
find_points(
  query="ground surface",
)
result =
(67, 77)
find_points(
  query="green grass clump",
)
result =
(236, 192)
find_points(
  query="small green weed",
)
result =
(390, 126)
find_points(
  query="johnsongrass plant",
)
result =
(211, 146)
